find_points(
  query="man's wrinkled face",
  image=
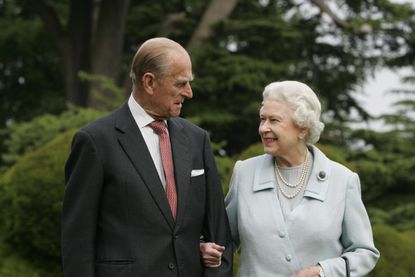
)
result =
(171, 90)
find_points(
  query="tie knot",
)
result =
(158, 126)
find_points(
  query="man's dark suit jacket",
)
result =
(116, 220)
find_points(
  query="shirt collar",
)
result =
(140, 116)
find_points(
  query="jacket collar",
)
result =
(264, 174)
(320, 174)
(318, 181)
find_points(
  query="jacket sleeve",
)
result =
(83, 177)
(216, 221)
(231, 203)
(357, 238)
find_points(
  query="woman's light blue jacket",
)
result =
(330, 221)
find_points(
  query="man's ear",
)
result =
(149, 81)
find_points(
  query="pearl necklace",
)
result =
(301, 181)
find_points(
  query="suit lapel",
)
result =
(182, 164)
(133, 144)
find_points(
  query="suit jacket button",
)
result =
(171, 266)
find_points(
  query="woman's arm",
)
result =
(357, 237)
(211, 253)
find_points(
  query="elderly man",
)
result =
(141, 183)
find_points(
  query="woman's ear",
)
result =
(303, 133)
(148, 82)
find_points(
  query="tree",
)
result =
(90, 39)
(217, 11)
(29, 69)
(265, 41)
(239, 49)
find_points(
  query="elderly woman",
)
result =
(293, 211)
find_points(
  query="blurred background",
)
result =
(64, 63)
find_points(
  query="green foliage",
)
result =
(30, 81)
(252, 151)
(331, 152)
(401, 217)
(391, 201)
(378, 177)
(264, 42)
(336, 154)
(108, 96)
(386, 162)
(397, 251)
(31, 190)
(236, 258)
(31, 199)
(21, 138)
(232, 103)
(225, 167)
(260, 42)
(12, 264)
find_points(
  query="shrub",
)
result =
(225, 167)
(21, 138)
(31, 195)
(12, 264)
(400, 217)
(397, 251)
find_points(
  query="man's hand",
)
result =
(211, 254)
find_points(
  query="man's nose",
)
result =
(187, 91)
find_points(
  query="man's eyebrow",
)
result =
(185, 79)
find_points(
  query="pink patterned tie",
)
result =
(166, 158)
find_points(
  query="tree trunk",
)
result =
(73, 43)
(107, 46)
(78, 52)
(216, 11)
(85, 48)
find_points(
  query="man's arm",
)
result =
(216, 224)
(83, 182)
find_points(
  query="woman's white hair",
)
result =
(302, 101)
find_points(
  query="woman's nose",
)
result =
(263, 127)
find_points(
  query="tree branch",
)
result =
(167, 26)
(216, 11)
(326, 9)
(51, 21)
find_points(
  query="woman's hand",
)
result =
(312, 271)
(211, 254)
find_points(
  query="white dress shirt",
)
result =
(151, 139)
